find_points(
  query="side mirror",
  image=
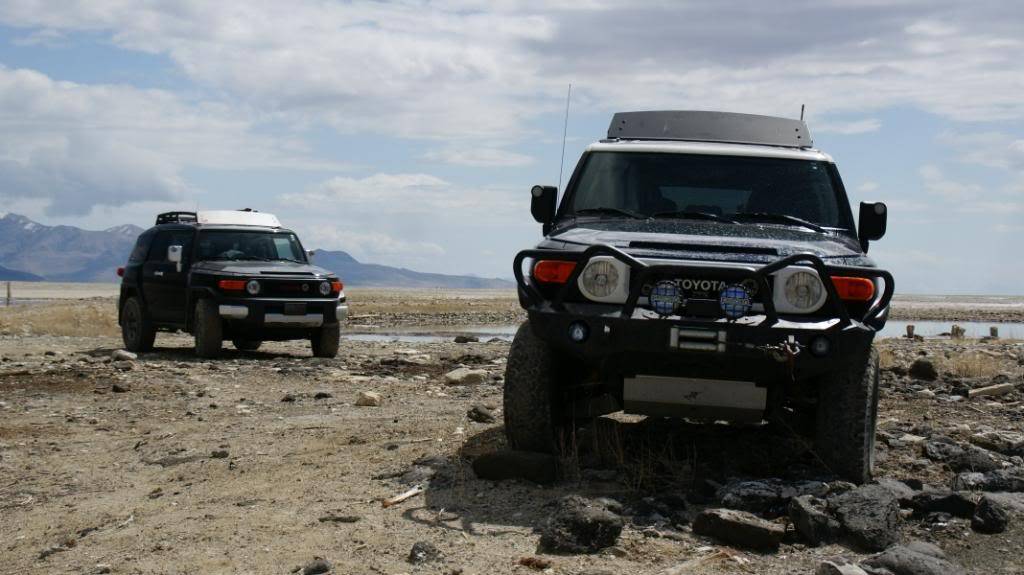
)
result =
(174, 256)
(871, 224)
(310, 254)
(543, 202)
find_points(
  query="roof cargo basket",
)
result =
(176, 218)
(724, 127)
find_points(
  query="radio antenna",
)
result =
(801, 112)
(565, 131)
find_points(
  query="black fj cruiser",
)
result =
(234, 275)
(702, 265)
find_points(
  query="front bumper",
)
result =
(282, 313)
(625, 340)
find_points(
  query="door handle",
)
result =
(158, 273)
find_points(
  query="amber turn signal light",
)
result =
(553, 271)
(231, 285)
(854, 289)
(337, 286)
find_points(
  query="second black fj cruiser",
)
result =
(702, 265)
(235, 275)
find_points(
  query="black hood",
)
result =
(700, 240)
(280, 268)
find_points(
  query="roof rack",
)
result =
(177, 218)
(697, 126)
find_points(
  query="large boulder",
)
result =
(739, 528)
(955, 503)
(580, 525)
(1007, 479)
(767, 497)
(990, 516)
(869, 516)
(1005, 442)
(811, 520)
(911, 559)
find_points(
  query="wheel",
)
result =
(208, 329)
(533, 410)
(247, 344)
(325, 340)
(847, 414)
(137, 331)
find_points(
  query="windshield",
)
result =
(249, 245)
(711, 187)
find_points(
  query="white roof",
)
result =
(238, 218)
(680, 147)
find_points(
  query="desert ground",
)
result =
(263, 462)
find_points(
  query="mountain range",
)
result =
(30, 251)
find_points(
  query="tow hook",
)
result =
(784, 352)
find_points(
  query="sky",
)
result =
(409, 133)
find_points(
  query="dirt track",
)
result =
(237, 466)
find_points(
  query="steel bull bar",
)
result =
(642, 273)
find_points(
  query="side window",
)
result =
(141, 247)
(165, 239)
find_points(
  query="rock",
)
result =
(990, 516)
(972, 458)
(467, 339)
(123, 365)
(926, 548)
(1011, 479)
(869, 516)
(332, 517)
(288, 398)
(465, 376)
(900, 490)
(902, 560)
(1005, 442)
(123, 355)
(945, 501)
(767, 496)
(317, 566)
(811, 520)
(923, 368)
(739, 528)
(423, 552)
(322, 395)
(219, 454)
(580, 525)
(838, 566)
(480, 414)
(368, 399)
(512, 464)
(941, 448)
(120, 388)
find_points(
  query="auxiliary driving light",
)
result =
(820, 346)
(253, 287)
(578, 331)
(664, 297)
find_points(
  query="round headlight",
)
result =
(253, 287)
(803, 290)
(600, 279)
(325, 288)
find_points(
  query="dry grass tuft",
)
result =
(973, 364)
(78, 319)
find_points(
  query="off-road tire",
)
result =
(533, 410)
(847, 415)
(137, 330)
(208, 329)
(325, 340)
(247, 344)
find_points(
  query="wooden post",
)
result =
(957, 332)
(993, 332)
(8, 294)
(910, 331)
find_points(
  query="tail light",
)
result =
(337, 286)
(553, 271)
(231, 285)
(120, 272)
(854, 289)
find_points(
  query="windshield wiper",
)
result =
(693, 215)
(781, 219)
(609, 211)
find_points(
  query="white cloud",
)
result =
(867, 187)
(479, 157)
(371, 246)
(937, 183)
(847, 128)
(81, 146)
